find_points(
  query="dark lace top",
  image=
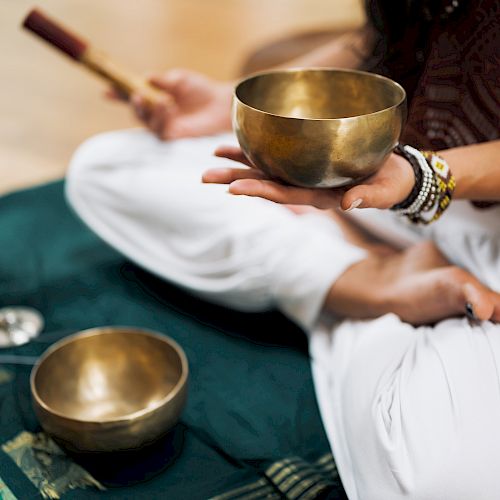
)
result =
(449, 66)
(451, 73)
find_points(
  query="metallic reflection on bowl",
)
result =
(110, 389)
(318, 127)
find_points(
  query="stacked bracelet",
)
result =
(433, 190)
(417, 171)
(444, 180)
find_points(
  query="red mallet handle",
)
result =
(77, 48)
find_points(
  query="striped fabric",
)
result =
(48, 468)
(291, 478)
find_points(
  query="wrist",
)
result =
(433, 189)
(464, 178)
(407, 177)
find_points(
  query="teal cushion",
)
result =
(251, 396)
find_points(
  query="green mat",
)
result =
(251, 397)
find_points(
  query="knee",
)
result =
(96, 162)
(83, 171)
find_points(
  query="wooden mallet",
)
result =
(97, 61)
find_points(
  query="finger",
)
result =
(232, 153)
(157, 119)
(478, 300)
(496, 312)
(484, 303)
(288, 195)
(380, 195)
(467, 292)
(141, 110)
(110, 94)
(115, 94)
(228, 175)
(391, 184)
(452, 290)
(171, 81)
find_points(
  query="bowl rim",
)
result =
(317, 68)
(91, 332)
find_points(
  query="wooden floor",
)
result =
(48, 105)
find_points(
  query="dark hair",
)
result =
(388, 18)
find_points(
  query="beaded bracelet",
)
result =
(417, 172)
(434, 186)
(445, 182)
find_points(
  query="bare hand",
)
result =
(389, 186)
(201, 106)
(417, 284)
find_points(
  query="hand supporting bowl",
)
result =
(318, 127)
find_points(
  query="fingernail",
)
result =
(469, 312)
(354, 204)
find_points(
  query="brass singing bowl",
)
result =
(110, 389)
(318, 127)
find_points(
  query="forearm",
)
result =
(476, 169)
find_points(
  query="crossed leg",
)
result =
(411, 413)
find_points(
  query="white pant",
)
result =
(410, 413)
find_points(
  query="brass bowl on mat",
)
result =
(110, 389)
(318, 127)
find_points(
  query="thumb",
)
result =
(378, 195)
(480, 302)
(172, 81)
